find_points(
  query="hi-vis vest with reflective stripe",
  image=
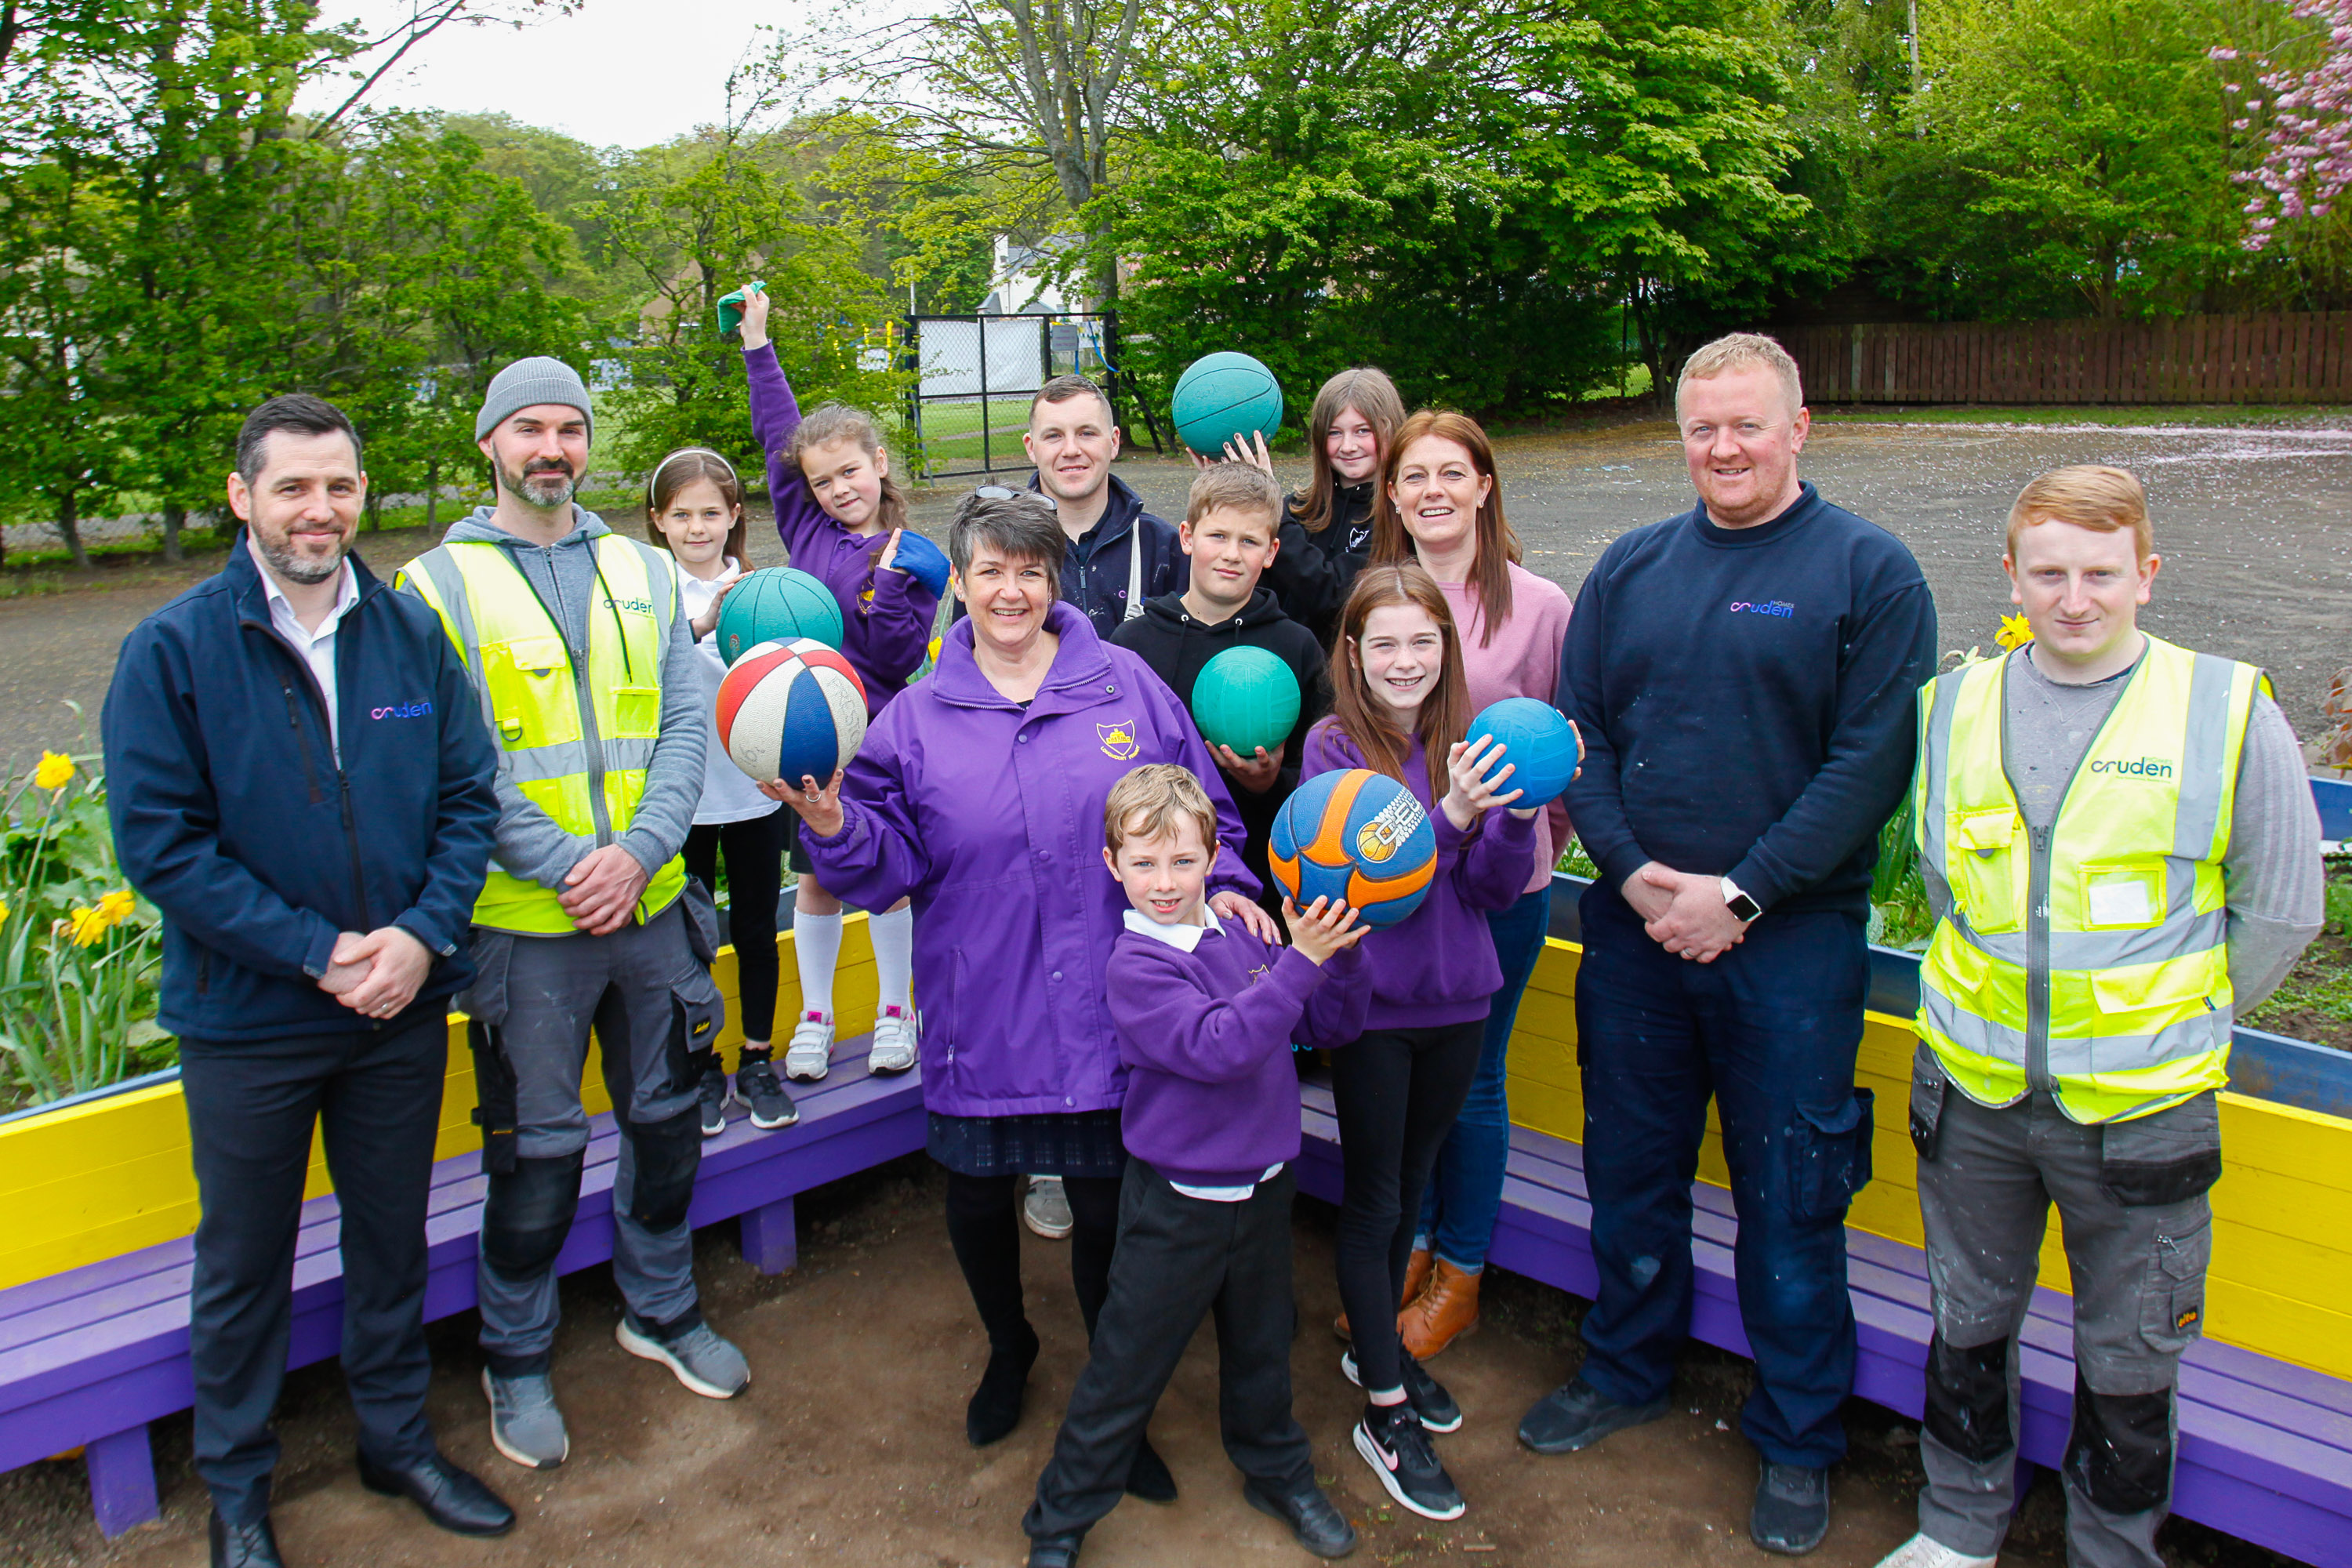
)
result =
(582, 763)
(2125, 954)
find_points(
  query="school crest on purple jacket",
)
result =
(989, 816)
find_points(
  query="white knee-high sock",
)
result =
(893, 936)
(816, 945)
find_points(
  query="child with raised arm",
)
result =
(1205, 1015)
(840, 514)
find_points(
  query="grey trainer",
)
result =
(525, 1424)
(1046, 1209)
(702, 1360)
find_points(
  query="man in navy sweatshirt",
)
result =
(1744, 677)
(1205, 1014)
(299, 779)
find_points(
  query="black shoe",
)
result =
(1148, 1477)
(1318, 1527)
(251, 1545)
(712, 1092)
(1393, 1440)
(1793, 1508)
(756, 1086)
(995, 1407)
(451, 1497)
(1576, 1416)
(1056, 1551)
(1427, 1396)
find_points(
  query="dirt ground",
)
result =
(848, 1447)
(2255, 524)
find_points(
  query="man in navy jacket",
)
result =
(299, 779)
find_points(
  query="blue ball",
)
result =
(777, 604)
(924, 562)
(1225, 397)
(1359, 836)
(1539, 743)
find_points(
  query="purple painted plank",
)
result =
(771, 1237)
(122, 1479)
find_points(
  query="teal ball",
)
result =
(1540, 744)
(1245, 698)
(1225, 397)
(777, 604)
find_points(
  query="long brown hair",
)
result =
(839, 422)
(1444, 717)
(1498, 546)
(683, 468)
(1370, 393)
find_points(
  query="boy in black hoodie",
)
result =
(1231, 520)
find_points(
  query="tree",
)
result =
(2306, 159)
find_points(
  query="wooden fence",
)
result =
(2305, 357)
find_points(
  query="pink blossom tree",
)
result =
(2305, 111)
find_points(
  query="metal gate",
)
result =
(974, 376)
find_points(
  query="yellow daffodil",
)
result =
(89, 925)
(117, 905)
(2015, 631)
(55, 772)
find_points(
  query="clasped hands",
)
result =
(376, 975)
(1685, 912)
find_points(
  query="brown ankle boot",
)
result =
(1445, 1311)
(1416, 1276)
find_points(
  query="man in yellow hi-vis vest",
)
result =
(584, 665)
(2122, 854)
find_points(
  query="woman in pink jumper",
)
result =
(1441, 504)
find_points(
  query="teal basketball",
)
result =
(1225, 397)
(1245, 698)
(777, 604)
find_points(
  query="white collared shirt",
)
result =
(1185, 939)
(317, 648)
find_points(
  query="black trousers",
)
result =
(1178, 1260)
(1396, 1093)
(376, 1096)
(755, 882)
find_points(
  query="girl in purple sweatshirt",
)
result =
(840, 514)
(1399, 700)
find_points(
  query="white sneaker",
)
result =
(809, 1056)
(1046, 1209)
(1921, 1552)
(895, 1032)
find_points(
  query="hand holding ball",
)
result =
(1357, 837)
(1225, 397)
(776, 604)
(790, 710)
(1541, 746)
(1245, 698)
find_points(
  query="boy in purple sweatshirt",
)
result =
(1205, 1014)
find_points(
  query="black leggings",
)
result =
(984, 1226)
(1397, 1093)
(755, 881)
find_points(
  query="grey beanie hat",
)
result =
(530, 381)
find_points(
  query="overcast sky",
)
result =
(628, 73)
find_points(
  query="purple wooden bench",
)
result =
(90, 1356)
(2266, 1446)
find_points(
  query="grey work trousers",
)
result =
(2138, 1228)
(647, 993)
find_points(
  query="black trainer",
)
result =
(1314, 1522)
(1393, 1441)
(1056, 1551)
(712, 1092)
(1437, 1408)
(1576, 1416)
(758, 1087)
(1792, 1511)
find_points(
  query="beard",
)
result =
(541, 484)
(296, 567)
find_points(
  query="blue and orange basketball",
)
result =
(1356, 835)
(786, 710)
(1537, 743)
(777, 604)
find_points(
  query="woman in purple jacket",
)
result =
(840, 513)
(979, 794)
(1398, 699)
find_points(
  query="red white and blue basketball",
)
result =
(790, 708)
(776, 604)
(1359, 836)
(1539, 743)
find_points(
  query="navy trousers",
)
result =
(1769, 1031)
(375, 1096)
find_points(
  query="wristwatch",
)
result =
(1743, 908)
